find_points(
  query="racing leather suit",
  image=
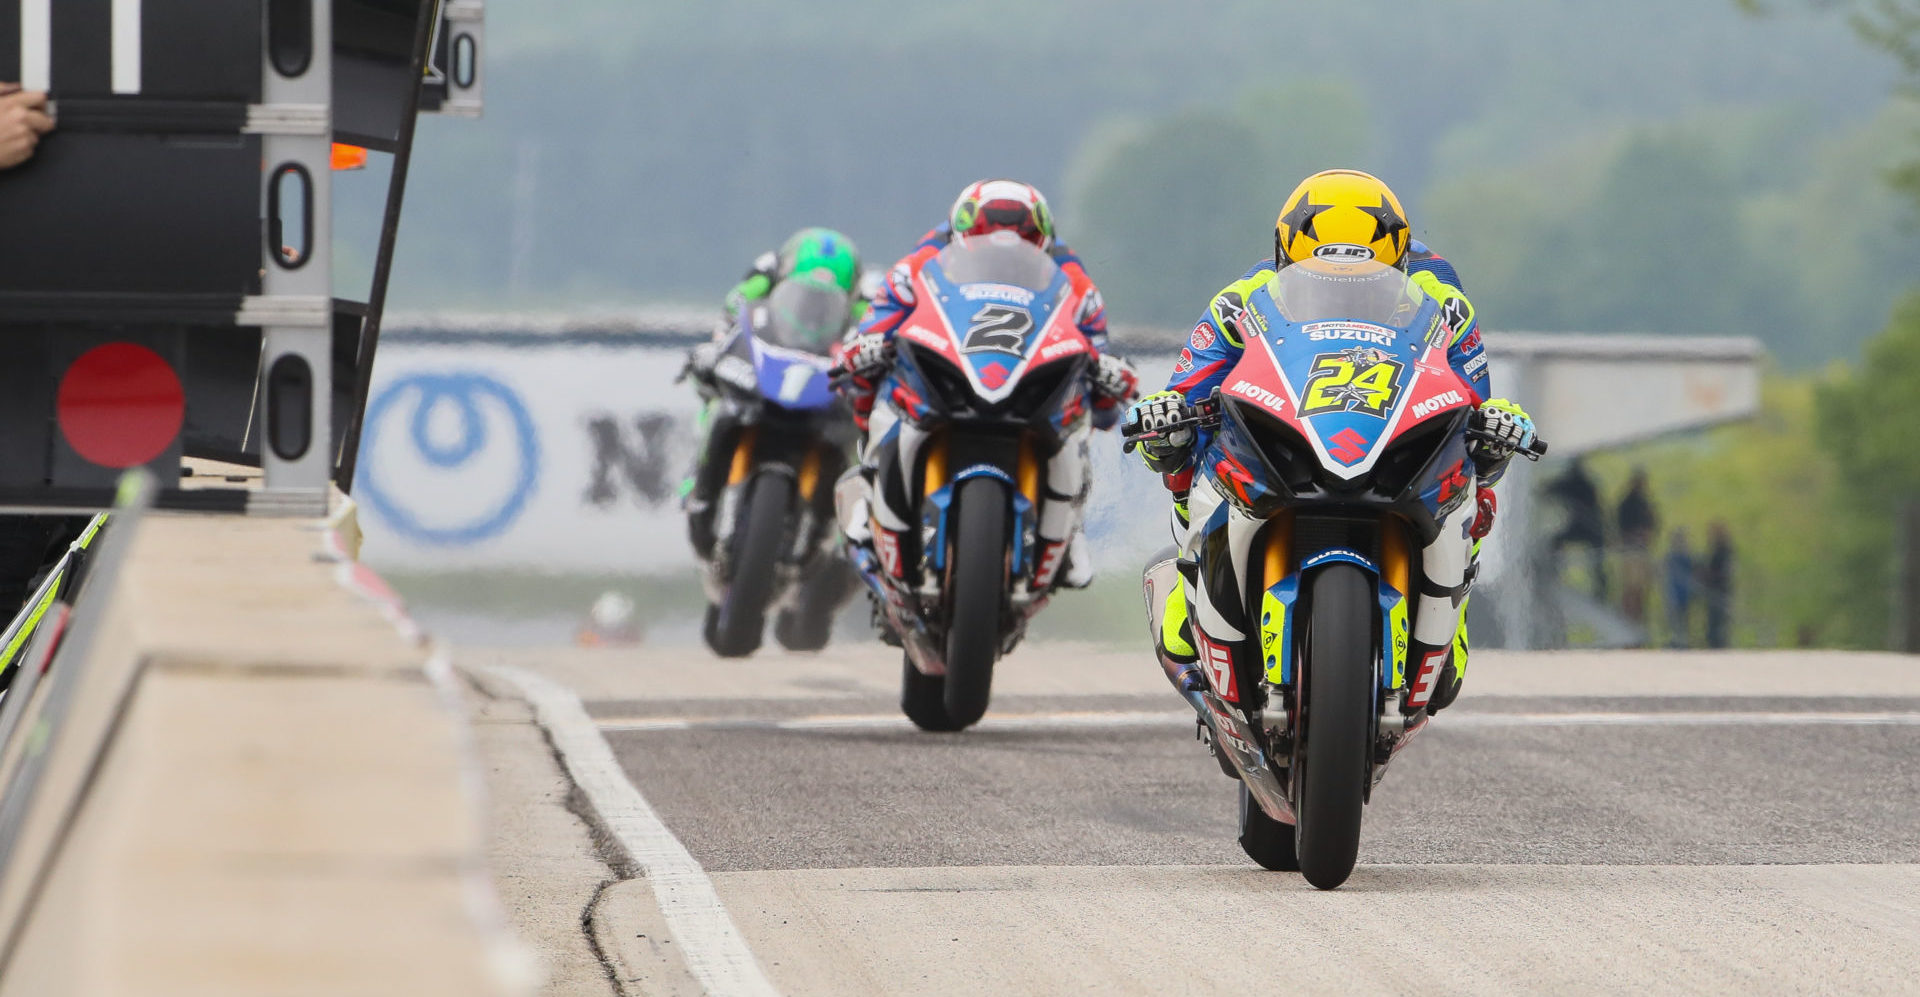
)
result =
(1449, 563)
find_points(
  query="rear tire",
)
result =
(1338, 722)
(1265, 840)
(759, 536)
(977, 588)
(923, 698)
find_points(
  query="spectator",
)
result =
(1716, 583)
(23, 119)
(1586, 520)
(1638, 523)
(1680, 585)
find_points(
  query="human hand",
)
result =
(23, 119)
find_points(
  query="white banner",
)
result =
(560, 457)
(563, 457)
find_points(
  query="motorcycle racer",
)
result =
(807, 251)
(816, 255)
(1342, 216)
(983, 209)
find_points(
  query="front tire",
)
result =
(1265, 840)
(923, 698)
(758, 538)
(977, 587)
(1338, 724)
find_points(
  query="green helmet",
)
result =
(814, 249)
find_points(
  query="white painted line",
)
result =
(126, 46)
(709, 942)
(36, 45)
(1780, 718)
(1185, 718)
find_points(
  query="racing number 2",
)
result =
(1002, 328)
(1353, 382)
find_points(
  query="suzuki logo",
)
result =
(1352, 446)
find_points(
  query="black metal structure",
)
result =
(165, 266)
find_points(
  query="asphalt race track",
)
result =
(1588, 822)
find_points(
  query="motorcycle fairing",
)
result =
(1393, 636)
(1348, 401)
(1276, 619)
(993, 333)
(790, 378)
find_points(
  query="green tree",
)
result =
(1166, 210)
(1866, 420)
(1640, 232)
(1893, 26)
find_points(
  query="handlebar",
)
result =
(1206, 415)
(1532, 451)
(1200, 415)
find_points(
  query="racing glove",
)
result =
(699, 368)
(1114, 381)
(865, 355)
(1488, 506)
(1165, 452)
(1501, 428)
(866, 358)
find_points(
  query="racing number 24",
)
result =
(1342, 382)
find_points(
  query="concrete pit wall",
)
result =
(251, 782)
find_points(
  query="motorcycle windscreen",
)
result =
(802, 314)
(999, 299)
(1353, 355)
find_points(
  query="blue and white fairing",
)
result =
(788, 339)
(793, 379)
(1351, 361)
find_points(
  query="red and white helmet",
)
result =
(1002, 206)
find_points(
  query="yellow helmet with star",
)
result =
(1341, 216)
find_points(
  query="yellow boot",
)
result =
(1176, 637)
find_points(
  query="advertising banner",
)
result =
(554, 454)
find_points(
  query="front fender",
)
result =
(940, 504)
(1277, 626)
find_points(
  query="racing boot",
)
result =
(1176, 633)
(852, 500)
(1455, 673)
(700, 526)
(1430, 676)
(1077, 573)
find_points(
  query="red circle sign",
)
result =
(120, 405)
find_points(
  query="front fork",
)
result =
(907, 567)
(814, 515)
(1232, 670)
